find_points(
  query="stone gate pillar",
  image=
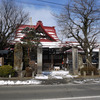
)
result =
(18, 56)
(75, 61)
(99, 60)
(39, 59)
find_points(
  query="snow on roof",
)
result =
(18, 39)
(96, 50)
(50, 31)
(74, 43)
(51, 44)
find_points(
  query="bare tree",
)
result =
(11, 17)
(80, 20)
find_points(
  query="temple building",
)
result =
(52, 54)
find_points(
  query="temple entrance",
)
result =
(52, 57)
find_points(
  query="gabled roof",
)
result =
(76, 44)
(49, 31)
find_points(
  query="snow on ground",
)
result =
(54, 75)
(29, 82)
(86, 81)
(57, 77)
(61, 74)
(41, 77)
(45, 75)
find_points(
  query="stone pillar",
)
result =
(80, 61)
(39, 59)
(99, 60)
(75, 61)
(51, 61)
(18, 56)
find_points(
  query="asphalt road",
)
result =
(51, 92)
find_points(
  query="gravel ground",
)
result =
(70, 81)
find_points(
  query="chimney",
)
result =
(30, 19)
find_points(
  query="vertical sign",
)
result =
(75, 60)
(39, 60)
(99, 59)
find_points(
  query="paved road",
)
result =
(51, 92)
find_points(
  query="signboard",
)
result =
(99, 59)
(75, 60)
(39, 60)
(1, 61)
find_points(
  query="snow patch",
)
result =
(78, 82)
(58, 77)
(69, 76)
(61, 74)
(86, 81)
(2, 82)
(41, 77)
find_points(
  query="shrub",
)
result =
(6, 70)
(89, 70)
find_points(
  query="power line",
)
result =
(51, 2)
(36, 4)
(30, 3)
(57, 4)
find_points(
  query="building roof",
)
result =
(49, 31)
(4, 52)
(76, 44)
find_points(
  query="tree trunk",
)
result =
(89, 59)
(29, 54)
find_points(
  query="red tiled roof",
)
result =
(50, 31)
(45, 40)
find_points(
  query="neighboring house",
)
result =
(95, 56)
